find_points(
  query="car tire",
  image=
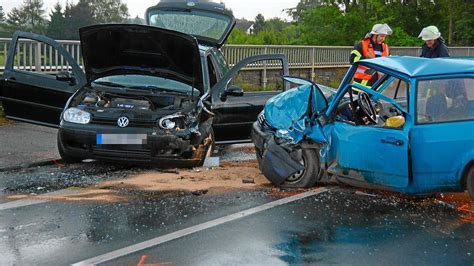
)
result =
(258, 154)
(65, 157)
(470, 182)
(312, 173)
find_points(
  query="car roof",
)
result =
(418, 66)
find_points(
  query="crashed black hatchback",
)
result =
(144, 94)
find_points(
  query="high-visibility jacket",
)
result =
(363, 74)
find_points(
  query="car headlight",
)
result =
(172, 122)
(283, 136)
(77, 116)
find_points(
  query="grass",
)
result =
(3, 120)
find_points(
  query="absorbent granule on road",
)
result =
(216, 180)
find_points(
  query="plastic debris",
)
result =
(360, 193)
(212, 162)
(248, 180)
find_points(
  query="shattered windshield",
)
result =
(197, 23)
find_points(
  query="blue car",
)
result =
(410, 131)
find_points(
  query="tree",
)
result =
(33, 11)
(137, 20)
(27, 17)
(76, 17)
(2, 14)
(109, 11)
(15, 19)
(275, 24)
(56, 26)
(259, 23)
(303, 5)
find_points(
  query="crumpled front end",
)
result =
(287, 123)
(166, 130)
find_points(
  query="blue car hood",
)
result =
(287, 108)
(289, 111)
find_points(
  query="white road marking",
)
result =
(29, 202)
(194, 229)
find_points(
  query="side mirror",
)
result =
(66, 76)
(235, 91)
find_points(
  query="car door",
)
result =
(29, 90)
(237, 108)
(443, 135)
(371, 153)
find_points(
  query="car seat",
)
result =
(436, 106)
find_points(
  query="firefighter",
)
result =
(434, 44)
(372, 46)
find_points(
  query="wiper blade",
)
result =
(155, 89)
(109, 84)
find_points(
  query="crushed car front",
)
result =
(283, 124)
(144, 101)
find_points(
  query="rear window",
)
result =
(197, 23)
(445, 100)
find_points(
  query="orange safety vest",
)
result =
(368, 52)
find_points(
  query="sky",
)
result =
(248, 9)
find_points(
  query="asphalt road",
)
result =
(262, 225)
(23, 144)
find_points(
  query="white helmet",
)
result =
(430, 33)
(381, 29)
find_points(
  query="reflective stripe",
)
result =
(363, 83)
(379, 53)
(357, 54)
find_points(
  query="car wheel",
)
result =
(258, 154)
(470, 182)
(64, 156)
(307, 178)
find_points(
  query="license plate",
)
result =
(121, 139)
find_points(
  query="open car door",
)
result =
(35, 93)
(372, 154)
(237, 103)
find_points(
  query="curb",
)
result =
(30, 165)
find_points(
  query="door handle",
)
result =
(10, 79)
(396, 142)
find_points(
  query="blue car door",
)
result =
(371, 154)
(443, 136)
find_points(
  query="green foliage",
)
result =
(259, 23)
(315, 22)
(345, 22)
(56, 27)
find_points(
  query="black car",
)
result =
(146, 94)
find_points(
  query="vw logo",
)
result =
(123, 122)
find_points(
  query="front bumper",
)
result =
(260, 138)
(162, 149)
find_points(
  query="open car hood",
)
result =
(210, 22)
(117, 49)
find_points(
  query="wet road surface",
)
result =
(331, 228)
(341, 226)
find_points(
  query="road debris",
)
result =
(361, 193)
(248, 180)
(211, 162)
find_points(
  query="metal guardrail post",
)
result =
(38, 57)
(264, 78)
(313, 63)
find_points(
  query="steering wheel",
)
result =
(367, 107)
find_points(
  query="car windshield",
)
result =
(147, 82)
(197, 23)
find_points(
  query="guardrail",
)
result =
(34, 56)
